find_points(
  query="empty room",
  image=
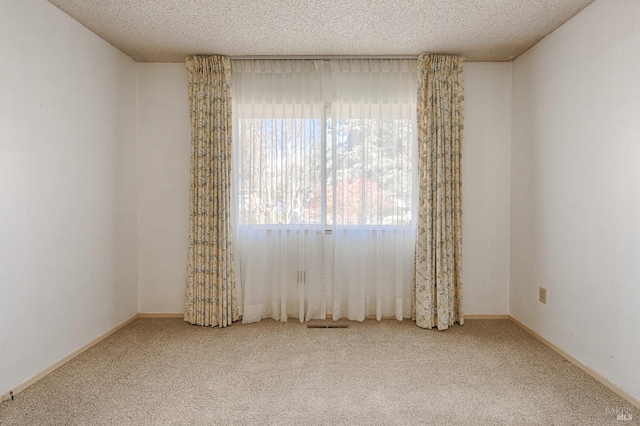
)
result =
(319, 212)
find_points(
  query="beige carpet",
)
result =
(165, 371)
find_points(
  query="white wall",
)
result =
(575, 189)
(67, 188)
(163, 174)
(485, 188)
(163, 184)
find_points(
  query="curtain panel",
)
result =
(210, 296)
(277, 113)
(438, 250)
(325, 156)
(371, 188)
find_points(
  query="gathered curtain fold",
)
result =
(437, 296)
(210, 295)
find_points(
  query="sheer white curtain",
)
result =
(371, 191)
(324, 187)
(278, 111)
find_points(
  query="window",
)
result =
(326, 143)
(280, 171)
(369, 172)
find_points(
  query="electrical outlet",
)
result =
(543, 295)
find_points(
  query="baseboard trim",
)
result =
(22, 386)
(486, 317)
(161, 315)
(615, 389)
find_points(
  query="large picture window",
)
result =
(334, 153)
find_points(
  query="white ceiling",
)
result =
(169, 30)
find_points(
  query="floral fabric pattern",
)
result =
(438, 260)
(210, 296)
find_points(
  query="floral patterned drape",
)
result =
(210, 296)
(438, 263)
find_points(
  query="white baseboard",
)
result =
(161, 315)
(486, 317)
(22, 386)
(618, 391)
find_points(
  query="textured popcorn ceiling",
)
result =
(169, 30)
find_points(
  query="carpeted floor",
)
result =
(165, 371)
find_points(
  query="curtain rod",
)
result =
(320, 57)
